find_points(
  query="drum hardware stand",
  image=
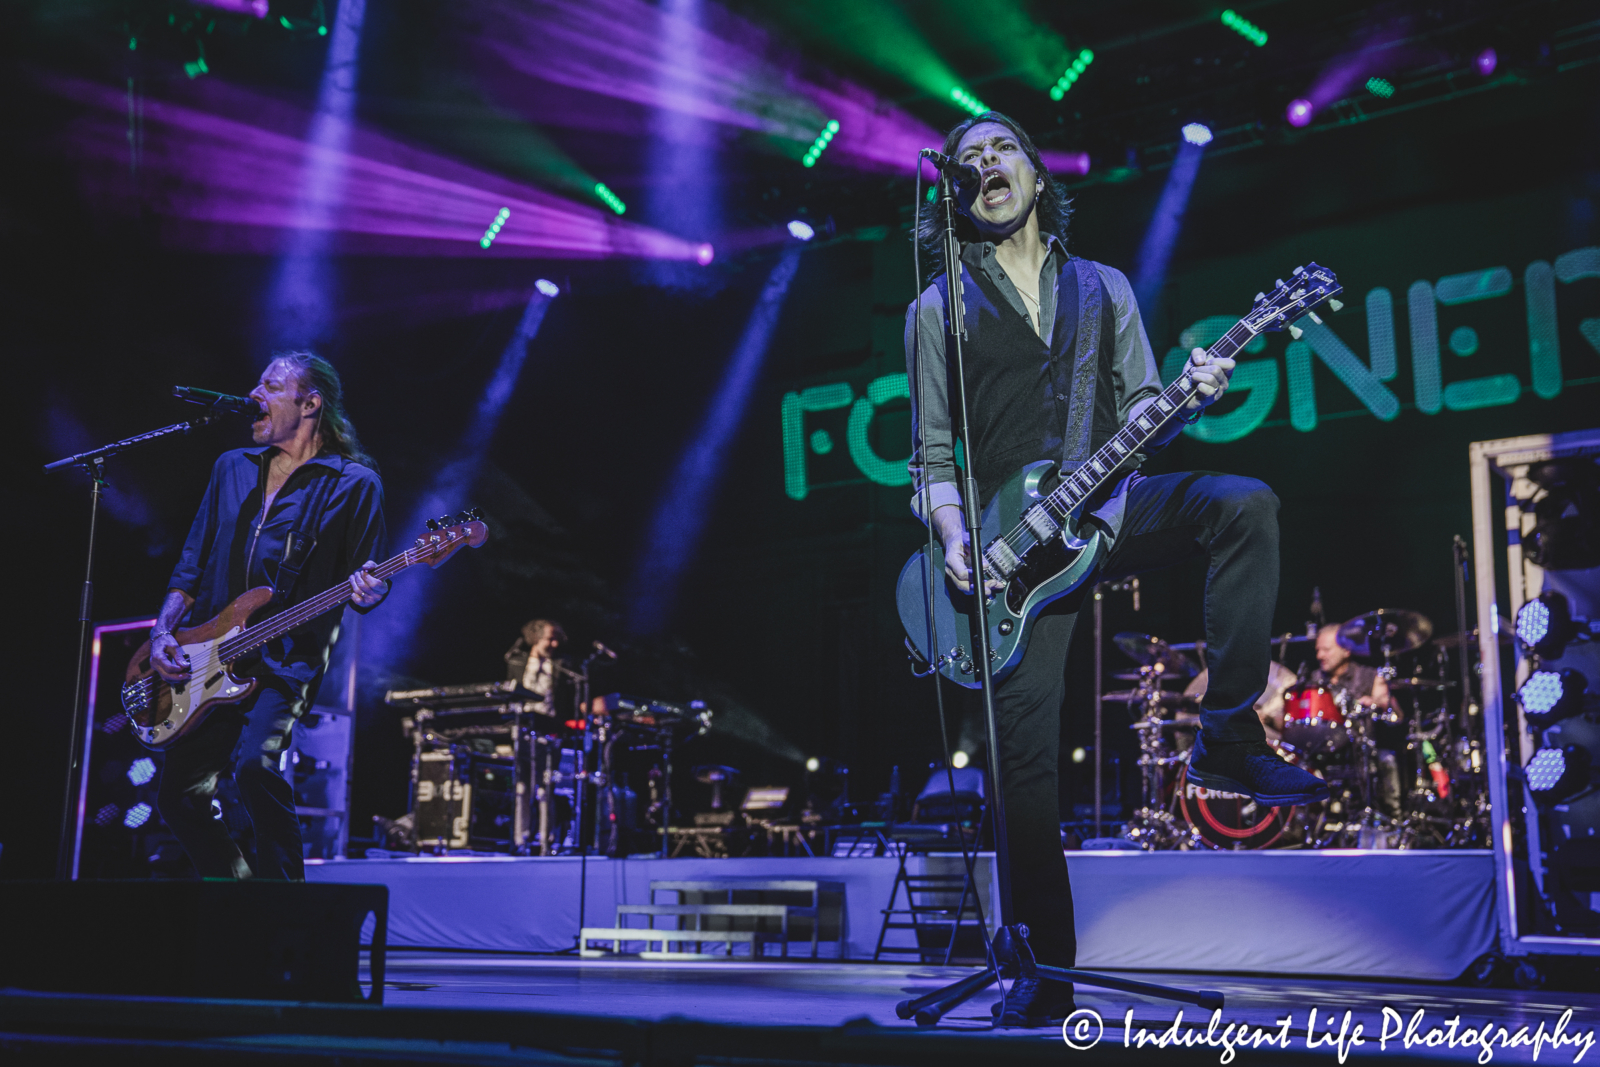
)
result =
(1010, 955)
(93, 463)
(1100, 591)
(1153, 826)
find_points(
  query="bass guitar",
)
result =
(162, 712)
(1033, 531)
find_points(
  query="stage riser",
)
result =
(1421, 915)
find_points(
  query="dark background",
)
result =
(785, 625)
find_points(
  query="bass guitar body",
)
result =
(1048, 571)
(161, 711)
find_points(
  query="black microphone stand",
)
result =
(94, 465)
(1010, 955)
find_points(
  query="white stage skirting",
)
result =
(1374, 914)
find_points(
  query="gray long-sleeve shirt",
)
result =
(1134, 373)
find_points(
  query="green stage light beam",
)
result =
(966, 101)
(1026, 49)
(879, 32)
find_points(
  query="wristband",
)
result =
(1186, 420)
(154, 633)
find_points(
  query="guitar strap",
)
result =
(1076, 442)
(302, 540)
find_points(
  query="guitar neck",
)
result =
(1079, 485)
(297, 616)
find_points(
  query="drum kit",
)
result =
(1387, 732)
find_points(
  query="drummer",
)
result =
(1338, 671)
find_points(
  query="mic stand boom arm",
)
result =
(1010, 954)
(93, 463)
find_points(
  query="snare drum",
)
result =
(1313, 719)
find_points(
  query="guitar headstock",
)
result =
(1307, 288)
(447, 536)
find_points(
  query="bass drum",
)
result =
(1229, 821)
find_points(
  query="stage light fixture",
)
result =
(820, 145)
(967, 101)
(141, 770)
(1197, 133)
(258, 8)
(1073, 73)
(959, 759)
(1546, 626)
(1380, 87)
(1550, 696)
(1244, 27)
(547, 287)
(611, 199)
(1486, 61)
(813, 765)
(107, 815)
(1299, 112)
(494, 228)
(801, 230)
(704, 254)
(1556, 773)
(137, 815)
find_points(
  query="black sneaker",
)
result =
(1255, 770)
(1033, 1002)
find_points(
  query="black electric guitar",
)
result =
(1036, 540)
(162, 712)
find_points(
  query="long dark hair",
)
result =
(1053, 205)
(316, 375)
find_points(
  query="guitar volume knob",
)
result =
(1005, 627)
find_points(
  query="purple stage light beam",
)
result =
(633, 52)
(683, 193)
(390, 634)
(300, 306)
(690, 493)
(225, 178)
(1155, 254)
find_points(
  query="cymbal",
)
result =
(1507, 635)
(1391, 630)
(1399, 684)
(1151, 650)
(1128, 696)
(1135, 676)
(1165, 724)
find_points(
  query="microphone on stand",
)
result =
(960, 173)
(604, 651)
(219, 402)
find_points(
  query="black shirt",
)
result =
(232, 546)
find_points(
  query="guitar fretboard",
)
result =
(1045, 518)
(304, 612)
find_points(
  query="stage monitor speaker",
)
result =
(253, 940)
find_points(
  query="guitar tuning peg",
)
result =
(1299, 271)
(432, 524)
(1261, 298)
(1336, 305)
(1279, 283)
(1312, 315)
(1295, 332)
(472, 514)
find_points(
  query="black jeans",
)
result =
(1233, 523)
(249, 739)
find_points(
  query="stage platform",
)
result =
(475, 1008)
(1423, 915)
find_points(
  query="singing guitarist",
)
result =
(1056, 362)
(296, 514)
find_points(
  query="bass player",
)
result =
(310, 485)
(1039, 391)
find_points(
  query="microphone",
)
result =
(960, 173)
(604, 651)
(221, 402)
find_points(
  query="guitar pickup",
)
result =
(1040, 523)
(1001, 558)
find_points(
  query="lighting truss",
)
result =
(820, 145)
(967, 101)
(1244, 28)
(1072, 74)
